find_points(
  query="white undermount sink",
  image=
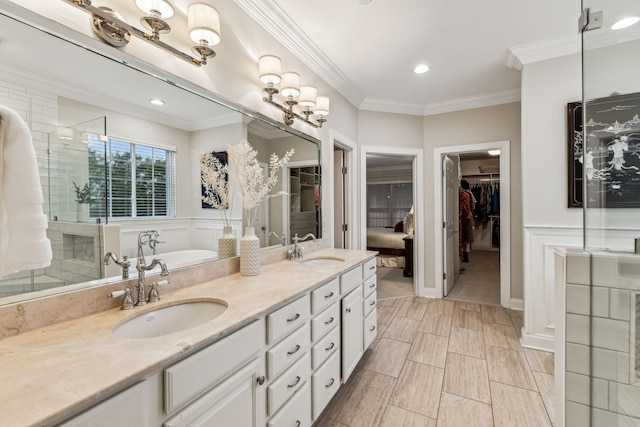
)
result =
(322, 260)
(170, 319)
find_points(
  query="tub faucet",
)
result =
(282, 238)
(150, 238)
(124, 263)
(141, 267)
(296, 252)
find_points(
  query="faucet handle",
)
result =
(127, 301)
(154, 295)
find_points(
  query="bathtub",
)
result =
(184, 258)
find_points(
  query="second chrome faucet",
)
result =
(296, 252)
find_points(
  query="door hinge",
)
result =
(589, 20)
(344, 227)
(444, 224)
(444, 276)
(344, 170)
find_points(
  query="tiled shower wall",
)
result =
(602, 388)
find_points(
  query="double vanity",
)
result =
(269, 350)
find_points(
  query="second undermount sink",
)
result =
(322, 260)
(170, 319)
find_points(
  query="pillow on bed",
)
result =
(399, 228)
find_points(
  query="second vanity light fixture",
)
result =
(203, 23)
(314, 109)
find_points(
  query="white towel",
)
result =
(23, 226)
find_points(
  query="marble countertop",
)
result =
(50, 373)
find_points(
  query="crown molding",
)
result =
(277, 23)
(391, 106)
(471, 102)
(518, 56)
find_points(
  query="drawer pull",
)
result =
(330, 347)
(329, 295)
(328, 322)
(298, 423)
(373, 285)
(372, 303)
(294, 350)
(295, 383)
(373, 328)
(260, 380)
(294, 318)
(330, 383)
(373, 267)
(348, 310)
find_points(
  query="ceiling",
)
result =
(368, 51)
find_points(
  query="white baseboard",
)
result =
(429, 293)
(516, 304)
(537, 342)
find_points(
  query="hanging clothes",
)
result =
(465, 224)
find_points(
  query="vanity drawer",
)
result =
(369, 268)
(369, 303)
(369, 285)
(296, 412)
(325, 347)
(287, 318)
(325, 382)
(325, 321)
(325, 295)
(350, 280)
(195, 374)
(370, 329)
(288, 383)
(288, 351)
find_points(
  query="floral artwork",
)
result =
(248, 178)
(216, 190)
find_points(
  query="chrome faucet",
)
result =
(296, 252)
(141, 267)
(147, 237)
(124, 263)
(282, 238)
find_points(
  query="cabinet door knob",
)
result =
(328, 322)
(295, 350)
(260, 380)
(294, 318)
(330, 383)
(348, 310)
(295, 383)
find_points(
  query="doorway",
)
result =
(473, 258)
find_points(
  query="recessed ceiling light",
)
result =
(494, 152)
(156, 101)
(421, 69)
(625, 22)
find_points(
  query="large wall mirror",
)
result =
(98, 138)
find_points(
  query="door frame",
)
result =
(505, 213)
(418, 205)
(350, 191)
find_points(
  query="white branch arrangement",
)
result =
(248, 178)
(217, 190)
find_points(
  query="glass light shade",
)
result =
(307, 96)
(322, 106)
(290, 84)
(270, 68)
(204, 24)
(163, 7)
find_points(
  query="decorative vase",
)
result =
(249, 253)
(83, 212)
(227, 243)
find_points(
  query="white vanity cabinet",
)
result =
(370, 301)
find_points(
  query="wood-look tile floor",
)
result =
(445, 363)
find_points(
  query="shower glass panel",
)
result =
(607, 393)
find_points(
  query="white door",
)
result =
(262, 215)
(450, 204)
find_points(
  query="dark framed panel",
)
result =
(223, 158)
(574, 155)
(611, 158)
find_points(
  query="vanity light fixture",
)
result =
(311, 108)
(203, 24)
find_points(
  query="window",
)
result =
(138, 180)
(388, 203)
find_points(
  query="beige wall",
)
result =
(498, 123)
